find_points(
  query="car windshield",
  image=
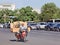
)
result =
(51, 24)
(33, 24)
(58, 24)
(42, 23)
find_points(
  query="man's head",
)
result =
(22, 24)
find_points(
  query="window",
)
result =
(6, 5)
(57, 20)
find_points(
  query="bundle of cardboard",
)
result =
(15, 26)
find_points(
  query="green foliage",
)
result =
(26, 14)
(49, 11)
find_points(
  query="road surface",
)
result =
(35, 37)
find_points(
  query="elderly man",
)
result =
(23, 28)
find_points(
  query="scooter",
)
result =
(21, 36)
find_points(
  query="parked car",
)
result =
(50, 26)
(41, 25)
(57, 27)
(6, 25)
(1, 25)
(33, 26)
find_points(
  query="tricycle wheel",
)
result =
(23, 39)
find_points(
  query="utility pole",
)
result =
(4, 18)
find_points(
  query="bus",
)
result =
(54, 20)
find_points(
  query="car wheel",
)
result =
(48, 29)
(45, 28)
(37, 28)
(57, 30)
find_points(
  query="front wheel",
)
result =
(24, 39)
(23, 36)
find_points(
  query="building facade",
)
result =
(37, 10)
(7, 6)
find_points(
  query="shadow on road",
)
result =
(18, 40)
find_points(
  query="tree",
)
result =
(58, 13)
(4, 15)
(48, 11)
(26, 14)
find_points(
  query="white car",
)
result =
(33, 26)
(1, 25)
(42, 25)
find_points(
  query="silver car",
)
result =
(33, 26)
(41, 25)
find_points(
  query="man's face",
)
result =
(22, 24)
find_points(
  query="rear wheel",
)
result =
(17, 35)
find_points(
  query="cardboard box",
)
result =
(15, 26)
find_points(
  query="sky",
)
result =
(33, 3)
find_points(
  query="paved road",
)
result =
(34, 38)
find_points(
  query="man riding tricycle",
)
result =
(21, 31)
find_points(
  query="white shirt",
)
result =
(23, 28)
